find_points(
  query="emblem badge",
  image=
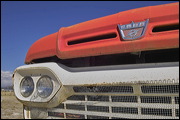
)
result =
(133, 30)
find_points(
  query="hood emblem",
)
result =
(133, 30)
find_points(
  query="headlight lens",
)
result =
(27, 86)
(44, 86)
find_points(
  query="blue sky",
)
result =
(24, 22)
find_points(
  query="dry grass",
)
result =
(11, 108)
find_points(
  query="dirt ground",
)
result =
(11, 108)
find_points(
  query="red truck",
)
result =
(124, 65)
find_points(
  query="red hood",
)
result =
(42, 48)
(101, 36)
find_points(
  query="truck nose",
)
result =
(44, 47)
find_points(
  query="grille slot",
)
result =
(155, 99)
(60, 106)
(97, 98)
(160, 89)
(75, 107)
(76, 97)
(97, 108)
(91, 39)
(56, 114)
(166, 28)
(75, 116)
(104, 89)
(124, 110)
(177, 112)
(96, 117)
(124, 98)
(176, 100)
(118, 118)
(151, 111)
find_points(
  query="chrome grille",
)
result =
(137, 101)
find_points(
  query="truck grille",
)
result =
(135, 101)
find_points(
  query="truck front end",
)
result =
(121, 66)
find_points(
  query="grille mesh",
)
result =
(76, 97)
(161, 89)
(176, 100)
(151, 111)
(124, 110)
(120, 102)
(98, 108)
(155, 99)
(75, 107)
(177, 112)
(124, 98)
(104, 89)
(97, 98)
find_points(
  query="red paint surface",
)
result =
(57, 43)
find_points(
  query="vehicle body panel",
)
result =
(101, 36)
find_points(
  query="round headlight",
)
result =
(44, 86)
(27, 86)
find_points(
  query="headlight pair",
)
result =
(44, 86)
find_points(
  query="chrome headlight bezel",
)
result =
(44, 86)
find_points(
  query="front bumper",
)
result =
(121, 91)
